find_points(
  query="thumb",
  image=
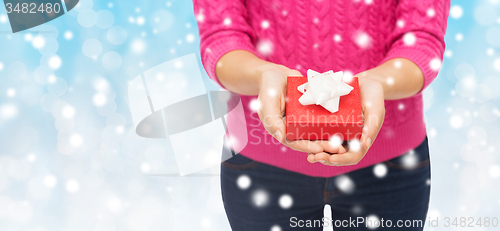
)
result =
(293, 73)
(272, 119)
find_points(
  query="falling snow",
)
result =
(265, 47)
(380, 170)
(335, 140)
(286, 201)
(409, 39)
(345, 184)
(260, 198)
(362, 39)
(244, 182)
(337, 38)
(255, 105)
(456, 11)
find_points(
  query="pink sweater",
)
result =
(347, 35)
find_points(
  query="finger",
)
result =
(322, 157)
(304, 146)
(349, 158)
(328, 146)
(294, 73)
(331, 147)
(310, 158)
(372, 103)
(271, 116)
(291, 72)
(374, 118)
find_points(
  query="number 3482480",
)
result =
(33, 8)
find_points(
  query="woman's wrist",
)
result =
(264, 70)
(399, 77)
(373, 75)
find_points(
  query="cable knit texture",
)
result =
(339, 35)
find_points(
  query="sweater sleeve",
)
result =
(223, 27)
(419, 35)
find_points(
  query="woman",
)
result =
(396, 46)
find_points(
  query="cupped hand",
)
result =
(272, 98)
(373, 109)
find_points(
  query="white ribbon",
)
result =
(324, 89)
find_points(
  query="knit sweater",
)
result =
(339, 35)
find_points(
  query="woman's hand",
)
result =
(272, 96)
(373, 109)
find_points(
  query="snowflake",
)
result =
(456, 121)
(68, 112)
(244, 182)
(72, 186)
(68, 35)
(344, 183)
(400, 23)
(76, 140)
(272, 92)
(275, 228)
(50, 181)
(410, 160)
(200, 17)
(8, 111)
(31, 157)
(398, 64)
(100, 99)
(11, 92)
(145, 167)
(431, 12)
(490, 51)
(496, 64)
(362, 39)
(348, 76)
(265, 24)
(286, 201)
(140, 20)
(55, 62)
(456, 11)
(265, 47)
(372, 221)
(190, 38)
(28, 37)
(38, 42)
(380, 170)
(409, 39)
(138, 46)
(335, 140)
(337, 38)
(494, 171)
(448, 54)
(260, 198)
(255, 105)
(389, 80)
(435, 64)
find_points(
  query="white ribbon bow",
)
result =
(324, 89)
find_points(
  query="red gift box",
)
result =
(313, 122)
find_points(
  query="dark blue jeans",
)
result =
(259, 197)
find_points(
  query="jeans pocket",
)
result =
(239, 162)
(414, 159)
